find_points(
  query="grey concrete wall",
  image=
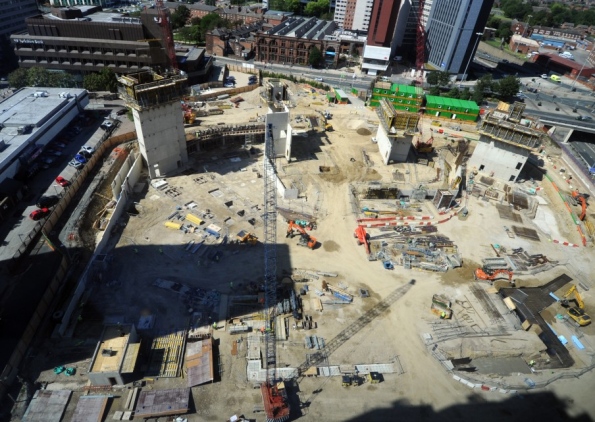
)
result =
(499, 160)
(161, 138)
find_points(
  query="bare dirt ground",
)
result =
(145, 250)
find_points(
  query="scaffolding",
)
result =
(149, 89)
(511, 133)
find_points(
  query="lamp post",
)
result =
(572, 88)
(478, 34)
(524, 31)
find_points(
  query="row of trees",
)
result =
(554, 16)
(196, 29)
(504, 88)
(41, 77)
(318, 8)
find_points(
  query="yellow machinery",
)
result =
(247, 237)
(577, 313)
(328, 127)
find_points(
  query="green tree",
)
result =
(38, 76)
(454, 93)
(212, 21)
(504, 30)
(179, 17)
(18, 78)
(194, 21)
(435, 91)
(61, 80)
(465, 94)
(190, 34)
(483, 86)
(317, 8)
(102, 81)
(508, 86)
(432, 78)
(315, 57)
(438, 78)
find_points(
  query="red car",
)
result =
(62, 181)
(39, 214)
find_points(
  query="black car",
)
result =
(47, 201)
(84, 153)
(532, 89)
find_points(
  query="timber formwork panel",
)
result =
(167, 353)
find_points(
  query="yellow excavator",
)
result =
(577, 313)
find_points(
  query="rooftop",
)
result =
(100, 16)
(23, 114)
(112, 348)
(301, 27)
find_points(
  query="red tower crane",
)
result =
(420, 51)
(168, 36)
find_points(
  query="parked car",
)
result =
(84, 153)
(77, 165)
(107, 125)
(47, 201)
(88, 148)
(584, 118)
(544, 76)
(46, 160)
(228, 85)
(80, 158)
(319, 79)
(62, 181)
(122, 111)
(39, 214)
(532, 89)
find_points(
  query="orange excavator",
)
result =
(581, 198)
(481, 274)
(363, 238)
(305, 238)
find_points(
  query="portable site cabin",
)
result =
(341, 96)
(402, 97)
(451, 108)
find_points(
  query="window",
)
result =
(512, 178)
(519, 165)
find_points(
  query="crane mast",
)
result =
(274, 397)
(270, 253)
(168, 36)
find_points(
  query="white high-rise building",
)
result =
(353, 15)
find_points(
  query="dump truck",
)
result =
(247, 237)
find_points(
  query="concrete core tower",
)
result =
(158, 118)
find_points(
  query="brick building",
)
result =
(292, 41)
(197, 10)
(233, 42)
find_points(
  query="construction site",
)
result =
(285, 270)
(277, 256)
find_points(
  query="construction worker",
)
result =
(215, 325)
(443, 315)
